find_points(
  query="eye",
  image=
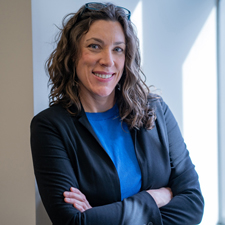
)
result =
(94, 46)
(118, 49)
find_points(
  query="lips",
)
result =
(103, 76)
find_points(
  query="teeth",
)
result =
(104, 76)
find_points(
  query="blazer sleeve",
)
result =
(187, 205)
(54, 175)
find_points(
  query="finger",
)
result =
(80, 197)
(85, 204)
(82, 206)
(77, 198)
(72, 200)
(75, 202)
(79, 207)
(170, 191)
(78, 192)
(75, 190)
(70, 194)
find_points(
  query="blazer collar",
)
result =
(82, 119)
(141, 157)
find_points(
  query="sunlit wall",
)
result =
(171, 35)
(200, 113)
(221, 108)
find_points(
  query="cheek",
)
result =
(88, 58)
(122, 63)
(84, 63)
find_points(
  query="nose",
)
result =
(107, 58)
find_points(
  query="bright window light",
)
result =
(200, 114)
(136, 18)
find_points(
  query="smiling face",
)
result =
(101, 62)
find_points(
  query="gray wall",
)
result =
(17, 190)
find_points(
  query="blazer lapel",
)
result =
(82, 119)
(141, 157)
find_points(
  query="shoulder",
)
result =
(156, 102)
(52, 112)
(161, 109)
(55, 114)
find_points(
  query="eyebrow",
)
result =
(102, 42)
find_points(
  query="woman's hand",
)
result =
(162, 196)
(77, 199)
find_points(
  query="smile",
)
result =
(104, 76)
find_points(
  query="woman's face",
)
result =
(101, 62)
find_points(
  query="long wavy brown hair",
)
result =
(133, 96)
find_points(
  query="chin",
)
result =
(105, 93)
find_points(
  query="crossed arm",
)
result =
(162, 196)
(182, 203)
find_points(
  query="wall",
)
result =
(17, 191)
(170, 28)
(44, 22)
(221, 110)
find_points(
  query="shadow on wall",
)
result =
(169, 31)
(170, 28)
(41, 214)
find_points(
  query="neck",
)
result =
(95, 104)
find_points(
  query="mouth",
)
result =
(103, 76)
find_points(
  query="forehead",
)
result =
(106, 30)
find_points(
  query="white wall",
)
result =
(170, 28)
(221, 108)
(44, 19)
(17, 190)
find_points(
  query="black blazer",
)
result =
(67, 153)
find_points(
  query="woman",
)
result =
(107, 151)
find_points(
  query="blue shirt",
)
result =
(117, 142)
